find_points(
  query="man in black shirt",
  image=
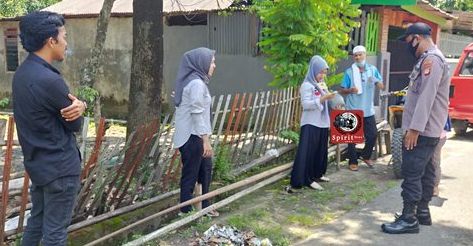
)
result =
(46, 116)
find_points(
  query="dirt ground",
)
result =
(285, 218)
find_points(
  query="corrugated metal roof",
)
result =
(125, 7)
(427, 6)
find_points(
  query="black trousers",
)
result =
(311, 157)
(418, 171)
(195, 168)
(370, 131)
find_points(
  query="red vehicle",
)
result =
(461, 93)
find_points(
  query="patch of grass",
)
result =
(363, 191)
(326, 218)
(301, 219)
(259, 213)
(274, 233)
(327, 195)
(239, 221)
(203, 224)
(200, 226)
(222, 164)
(348, 207)
(391, 184)
(304, 210)
(291, 135)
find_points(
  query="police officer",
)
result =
(424, 117)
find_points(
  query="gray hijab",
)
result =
(317, 64)
(195, 64)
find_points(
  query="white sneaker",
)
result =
(316, 186)
(324, 179)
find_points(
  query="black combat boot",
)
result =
(423, 216)
(406, 223)
(423, 213)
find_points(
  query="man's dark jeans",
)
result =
(418, 171)
(370, 131)
(51, 212)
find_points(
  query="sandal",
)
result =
(213, 213)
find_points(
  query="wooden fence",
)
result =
(117, 174)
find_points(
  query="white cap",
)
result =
(358, 49)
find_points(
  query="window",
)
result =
(11, 48)
(467, 67)
(187, 20)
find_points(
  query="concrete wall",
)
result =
(235, 73)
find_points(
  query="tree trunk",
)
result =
(147, 63)
(93, 63)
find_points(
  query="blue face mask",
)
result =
(360, 64)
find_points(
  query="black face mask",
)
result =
(412, 49)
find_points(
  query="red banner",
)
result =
(346, 126)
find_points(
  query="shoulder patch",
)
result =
(427, 67)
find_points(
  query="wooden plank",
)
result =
(238, 150)
(267, 127)
(164, 157)
(83, 149)
(238, 118)
(277, 120)
(125, 166)
(285, 116)
(255, 133)
(153, 157)
(24, 202)
(160, 133)
(216, 113)
(6, 176)
(272, 139)
(250, 122)
(137, 161)
(222, 121)
(230, 118)
(290, 109)
(261, 124)
(169, 170)
(97, 147)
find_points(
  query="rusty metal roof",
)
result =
(78, 8)
(427, 6)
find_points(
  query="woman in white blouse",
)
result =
(310, 164)
(192, 122)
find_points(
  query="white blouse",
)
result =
(192, 117)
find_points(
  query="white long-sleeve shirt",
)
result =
(313, 112)
(192, 117)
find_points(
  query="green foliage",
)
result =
(88, 94)
(13, 8)
(334, 79)
(291, 135)
(222, 166)
(4, 102)
(463, 5)
(295, 30)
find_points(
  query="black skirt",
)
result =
(311, 158)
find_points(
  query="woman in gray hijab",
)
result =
(310, 164)
(192, 122)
